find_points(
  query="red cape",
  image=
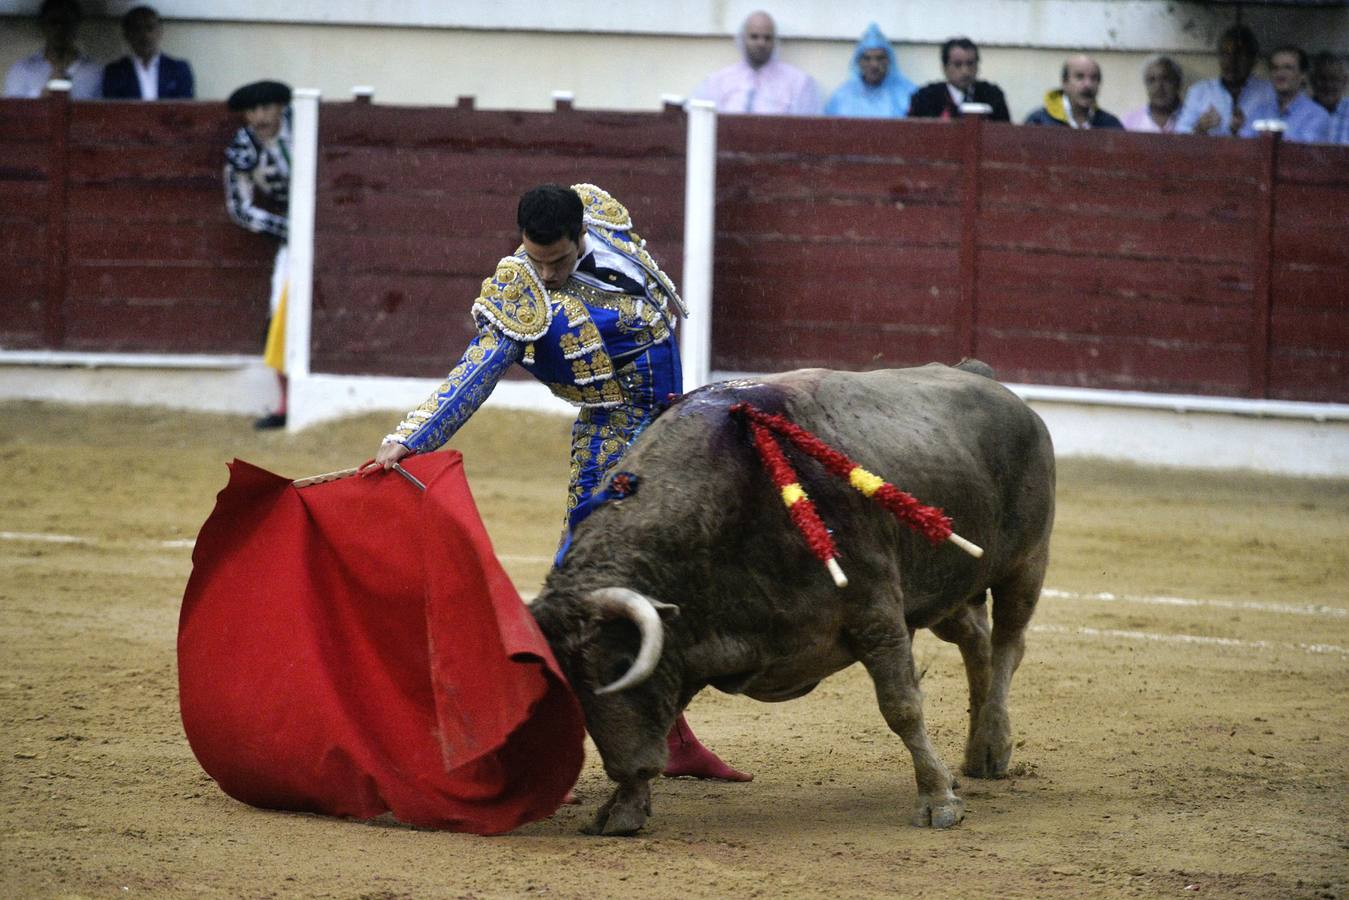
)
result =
(354, 648)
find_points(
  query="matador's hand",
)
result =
(388, 454)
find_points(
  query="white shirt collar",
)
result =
(148, 75)
(1068, 112)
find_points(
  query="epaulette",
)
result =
(242, 153)
(515, 301)
(601, 209)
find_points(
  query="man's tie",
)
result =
(609, 276)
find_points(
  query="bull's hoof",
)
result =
(938, 812)
(617, 822)
(624, 813)
(989, 750)
(985, 763)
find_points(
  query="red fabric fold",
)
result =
(354, 648)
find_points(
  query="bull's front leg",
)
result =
(626, 810)
(631, 742)
(884, 648)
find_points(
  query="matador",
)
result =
(584, 307)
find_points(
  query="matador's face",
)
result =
(554, 262)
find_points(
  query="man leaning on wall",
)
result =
(760, 83)
(942, 99)
(146, 73)
(60, 56)
(1304, 120)
(1328, 81)
(876, 89)
(1230, 104)
(1073, 104)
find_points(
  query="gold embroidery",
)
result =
(515, 301)
(601, 207)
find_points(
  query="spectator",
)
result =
(1073, 104)
(1161, 78)
(60, 56)
(146, 74)
(257, 162)
(876, 89)
(1304, 121)
(1328, 79)
(1229, 104)
(942, 99)
(760, 83)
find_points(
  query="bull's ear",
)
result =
(667, 611)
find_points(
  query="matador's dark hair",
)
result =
(550, 212)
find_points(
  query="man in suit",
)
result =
(942, 99)
(146, 74)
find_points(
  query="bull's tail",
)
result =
(969, 364)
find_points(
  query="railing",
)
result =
(1155, 263)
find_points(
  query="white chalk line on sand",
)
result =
(1313, 609)
(34, 537)
(1202, 640)
(1053, 593)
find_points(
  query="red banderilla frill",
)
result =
(929, 521)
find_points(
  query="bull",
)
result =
(702, 558)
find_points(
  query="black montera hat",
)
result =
(259, 93)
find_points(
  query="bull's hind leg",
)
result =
(884, 648)
(990, 745)
(968, 629)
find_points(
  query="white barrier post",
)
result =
(300, 293)
(700, 194)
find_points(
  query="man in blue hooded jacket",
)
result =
(876, 89)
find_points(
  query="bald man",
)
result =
(760, 83)
(1073, 103)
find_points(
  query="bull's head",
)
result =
(643, 612)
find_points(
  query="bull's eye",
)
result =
(617, 668)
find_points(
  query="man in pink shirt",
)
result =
(760, 83)
(1162, 78)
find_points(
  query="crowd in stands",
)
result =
(1236, 103)
(1303, 97)
(143, 74)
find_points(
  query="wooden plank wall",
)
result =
(416, 205)
(1106, 259)
(139, 253)
(1117, 260)
(25, 196)
(838, 243)
(1112, 260)
(1309, 275)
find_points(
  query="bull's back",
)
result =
(953, 439)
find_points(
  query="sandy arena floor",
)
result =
(1181, 717)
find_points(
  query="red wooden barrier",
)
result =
(139, 254)
(416, 205)
(25, 215)
(1104, 259)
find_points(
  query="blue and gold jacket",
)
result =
(588, 343)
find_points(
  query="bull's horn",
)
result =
(642, 611)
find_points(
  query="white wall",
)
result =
(513, 53)
(1301, 439)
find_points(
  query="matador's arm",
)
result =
(469, 383)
